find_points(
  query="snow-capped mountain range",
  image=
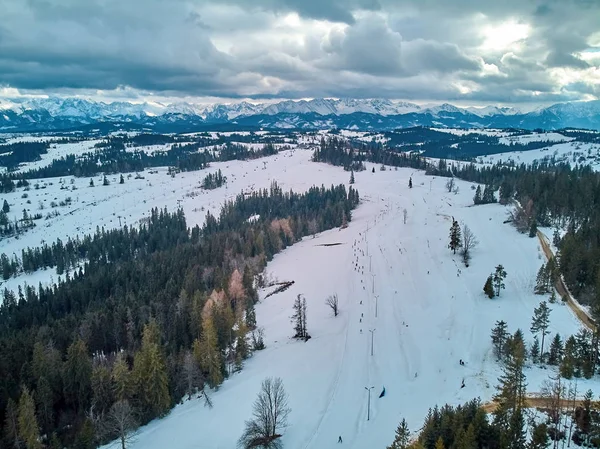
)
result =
(375, 114)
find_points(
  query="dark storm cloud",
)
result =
(414, 49)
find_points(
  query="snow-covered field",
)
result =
(535, 137)
(572, 152)
(426, 310)
(484, 132)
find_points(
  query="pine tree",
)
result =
(91, 182)
(121, 179)
(499, 337)
(488, 287)
(402, 437)
(439, 444)
(5, 207)
(555, 353)
(352, 177)
(105, 181)
(29, 431)
(410, 182)
(499, 276)
(477, 198)
(455, 237)
(121, 379)
(540, 322)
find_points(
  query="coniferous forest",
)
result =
(154, 315)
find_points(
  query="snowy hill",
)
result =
(426, 310)
(321, 113)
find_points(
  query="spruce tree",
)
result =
(535, 350)
(540, 323)
(150, 374)
(11, 425)
(299, 318)
(5, 207)
(29, 431)
(121, 179)
(488, 287)
(439, 444)
(105, 181)
(477, 198)
(541, 281)
(410, 182)
(352, 177)
(533, 229)
(77, 375)
(555, 353)
(499, 276)
(455, 237)
(499, 337)
(539, 437)
(511, 396)
(567, 364)
(402, 437)
(91, 182)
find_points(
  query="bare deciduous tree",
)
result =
(121, 422)
(332, 301)
(469, 243)
(269, 417)
(404, 215)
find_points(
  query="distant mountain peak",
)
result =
(317, 113)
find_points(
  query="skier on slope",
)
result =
(340, 439)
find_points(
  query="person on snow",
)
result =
(340, 439)
(461, 362)
(463, 384)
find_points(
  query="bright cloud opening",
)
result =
(504, 36)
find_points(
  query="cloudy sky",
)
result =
(462, 51)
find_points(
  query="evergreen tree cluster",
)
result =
(546, 277)
(487, 197)
(155, 315)
(213, 180)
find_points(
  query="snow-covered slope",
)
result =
(425, 308)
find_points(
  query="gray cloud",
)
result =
(415, 49)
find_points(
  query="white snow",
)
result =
(424, 322)
(535, 137)
(427, 310)
(485, 132)
(575, 153)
